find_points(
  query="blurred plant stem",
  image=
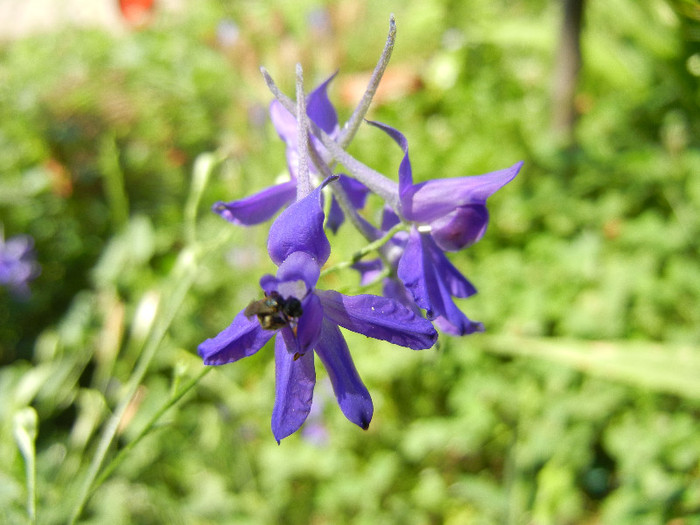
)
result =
(366, 250)
(566, 70)
(25, 431)
(178, 285)
(204, 165)
(114, 181)
(174, 398)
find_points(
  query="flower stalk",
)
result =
(350, 128)
(303, 176)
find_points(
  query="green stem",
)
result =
(26, 423)
(184, 275)
(114, 181)
(204, 165)
(116, 461)
(369, 248)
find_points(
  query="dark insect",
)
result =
(274, 311)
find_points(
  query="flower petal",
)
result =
(320, 111)
(394, 289)
(336, 217)
(350, 391)
(405, 170)
(309, 327)
(294, 388)
(319, 107)
(268, 283)
(242, 338)
(432, 199)
(285, 123)
(299, 228)
(300, 266)
(432, 281)
(416, 272)
(286, 126)
(389, 218)
(355, 190)
(462, 325)
(455, 283)
(460, 228)
(378, 317)
(259, 207)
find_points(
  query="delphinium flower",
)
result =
(420, 223)
(305, 321)
(446, 214)
(18, 264)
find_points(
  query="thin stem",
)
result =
(26, 423)
(352, 125)
(303, 178)
(369, 248)
(342, 198)
(175, 397)
(185, 273)
(375, 245)
(375, 181)
(204, 165)
(386, 272)
(114, 181)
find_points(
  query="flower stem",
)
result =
(183, 276)
(303, 177)
(352, 125)
(26, 423)
(369, 248)
(375, 245)
(174, 398)
(367, 231)
(204, 165)
(375, 181)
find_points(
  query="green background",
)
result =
(580, 403)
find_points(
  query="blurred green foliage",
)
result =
(536, 421)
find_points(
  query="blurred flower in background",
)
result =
(227, 33)
(18, 264)
(137, 13)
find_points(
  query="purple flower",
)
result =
(263, 205)
(306, 321)
(423, 277)
(18, 264)
(453, 209)
(447, 215)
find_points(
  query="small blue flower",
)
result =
(263, 205)
(452, 209)
(446, 215)
(299, 246)
(18, 264)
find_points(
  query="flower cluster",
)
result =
(420, 223)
